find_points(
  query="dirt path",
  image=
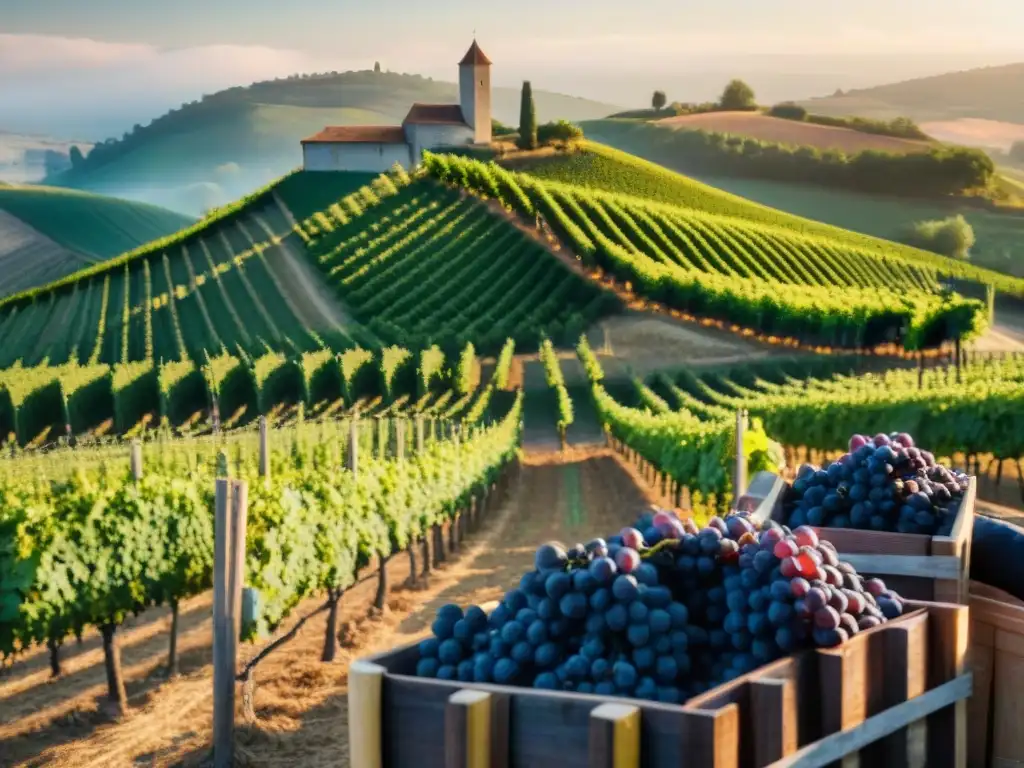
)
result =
(300, 702)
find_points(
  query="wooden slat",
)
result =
(467, 737)
(979, 710)
(905, 565)
(777, 720)
(906, 677)
(365, 683)
(712, 738)
(948, 635)
(836, 746)
(615, 736)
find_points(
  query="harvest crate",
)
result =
(895, 695)
(918, 567)
(996, 738)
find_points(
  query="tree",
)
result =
(737, 95)
(76, 156)
(1017, 152)
(527, 119)
(376, 67)
(658, 101)
(952, 236)
(561, 130)
(789, 111)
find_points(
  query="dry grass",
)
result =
(300, 702)
(976, 132)
(778, 130)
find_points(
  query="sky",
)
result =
(136, 56)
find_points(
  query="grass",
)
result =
(1000, 235)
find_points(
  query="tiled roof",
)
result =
(359, 134)
(437, 114)
(475, 56)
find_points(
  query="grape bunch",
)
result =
(884, 483)
(661, 611)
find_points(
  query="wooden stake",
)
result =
(136, 460)
(264, 467)
(228, 574)
(740, 476)
(352, 460)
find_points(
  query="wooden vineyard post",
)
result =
(352, 458)
(136, 460)
(419, 435)
(959, 360)
(739, 483)
(264, 467)
(228, 575)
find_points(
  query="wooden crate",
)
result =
(894, 696)
(918, 567)
(995, 709)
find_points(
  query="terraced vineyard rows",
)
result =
(806, 404)
(43, 403)
(767, 278)
(427, 264)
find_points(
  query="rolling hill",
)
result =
(210, 152)
(265, 298)
(47, 233)
(999, 234)
(975, 93)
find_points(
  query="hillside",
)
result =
(266, 289)
(213, 151)
(999, 235)
(780, 279)
(48, 233)
(976, 93)
(775, 129)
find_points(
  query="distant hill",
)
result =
(210, 152)
(796, 133)
(991, 93)
(47, 233)
(28, 159)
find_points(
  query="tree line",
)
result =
(940, 171)
(738, 96)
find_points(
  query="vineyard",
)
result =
(771, 280)
(94, 542)
(425, 264)
(601, 168)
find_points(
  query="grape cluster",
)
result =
(663, 611)
(884, 483)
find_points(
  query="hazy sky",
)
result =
(134, 57)
(643, 29)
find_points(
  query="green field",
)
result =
(1000, 236)
(70, 230)
(213, 151)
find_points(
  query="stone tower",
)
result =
(475, 93)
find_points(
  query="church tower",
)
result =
(475, 93)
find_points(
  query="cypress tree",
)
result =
(527, 119)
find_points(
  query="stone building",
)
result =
(376, 148)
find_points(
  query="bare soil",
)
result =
(976, 132)
(779, 130)
(300, 702)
